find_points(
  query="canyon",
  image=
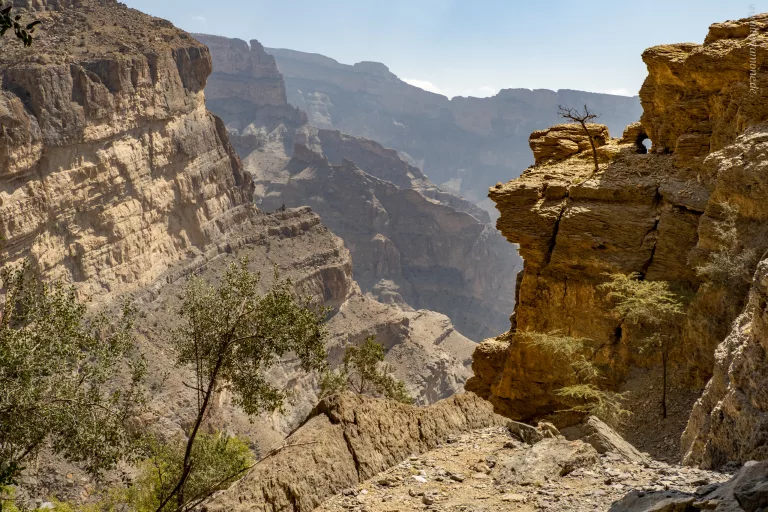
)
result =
(413, 243)
(130, 162)
(463, 144)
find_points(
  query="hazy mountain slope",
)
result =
(411, 241)
(467, 144)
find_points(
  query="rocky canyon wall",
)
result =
(413, 242)
(111, 167)
(655, 214)
(463, 144)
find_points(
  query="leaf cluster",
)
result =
(217, 461)
(362, 372)
(576, 355)
(56, 368)
(642, 302)
(233, 335)
(729, 263)
(10, 22)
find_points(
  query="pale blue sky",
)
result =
(468, 47)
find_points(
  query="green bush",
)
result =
(57, 371)
(362, 372)
(575, 355)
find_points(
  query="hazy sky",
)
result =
(468, 47)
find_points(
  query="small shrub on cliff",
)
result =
(655, 309)
(729, 264)
(231, 337)
(581, 117)
(362, 372)
(55, 372)
(577, 357)
(9, 21)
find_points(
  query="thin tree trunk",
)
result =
(664, 357)
(592, 143)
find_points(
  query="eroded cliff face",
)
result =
(406, 247)
(111, 167)
(413, 243)
(462, 144)
(654, 214)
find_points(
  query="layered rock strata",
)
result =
(438, 258)
(112, 168)
(656, 214)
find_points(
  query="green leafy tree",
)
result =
(218, 459)
(55, 369)
(232, 335)
(9, 21)
(577, 356)
(655, 309)
(363, 372)
(729, 264)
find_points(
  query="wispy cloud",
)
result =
(201, 19)
(423, 84)
(619, 92)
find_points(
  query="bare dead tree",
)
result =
(581, 117)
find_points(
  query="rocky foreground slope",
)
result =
(655, 214)
(464, 144)
(413, 243)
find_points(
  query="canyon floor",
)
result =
(472, 473)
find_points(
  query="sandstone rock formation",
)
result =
(348, 439)
(655, 214)
(464, 144)
(413, 243)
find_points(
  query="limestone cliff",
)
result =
(412, 242)
(654, 214)
(111, 167)
(463, 144)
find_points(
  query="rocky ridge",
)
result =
(413, 243)
(348, 439)
(654, 214)
(462, 144)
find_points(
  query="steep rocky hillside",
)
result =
(412, 242)
(655, 214)
(112, 169)
(465, 144)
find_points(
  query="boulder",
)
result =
(604, 439)
(549, 458)
(564, 140)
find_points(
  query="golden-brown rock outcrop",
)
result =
(654, 214)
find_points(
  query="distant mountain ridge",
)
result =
(464, 144)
